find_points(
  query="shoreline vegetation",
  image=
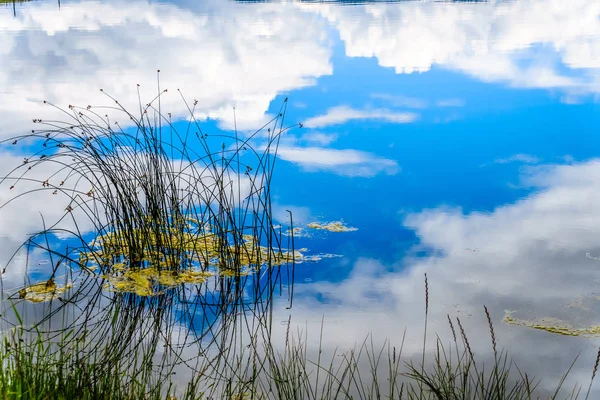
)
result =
(37, 368)
(171, 265)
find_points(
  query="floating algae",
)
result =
(146, 281)
(44, 291)
(146, 261)
(319, 257)
(336, 226)
(143, 282)
(553, 325)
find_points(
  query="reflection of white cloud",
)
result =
(23, 214)
(224, 54)
(342, 114)
(309, 152)
(523, 43)
(411, 102)
(26, 201)
(528, 256)
(319, 138)
(400, 101)
(344, 162)
(450, 103)
(300, 215)
(522, 158)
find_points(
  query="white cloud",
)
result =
(223, 54)
(342, 114)
(346, 162)
(540, 44)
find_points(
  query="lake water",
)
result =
(460, 139)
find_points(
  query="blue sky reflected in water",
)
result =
(460, 139)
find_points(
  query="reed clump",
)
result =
(165, 228)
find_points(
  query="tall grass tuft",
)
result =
(595, 369)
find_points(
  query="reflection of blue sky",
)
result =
(436, 129)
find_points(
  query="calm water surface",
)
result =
(460, 139)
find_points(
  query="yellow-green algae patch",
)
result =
(146, 261)
(144, 281)
(336, 226)
(553, 325)
(44, 291)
